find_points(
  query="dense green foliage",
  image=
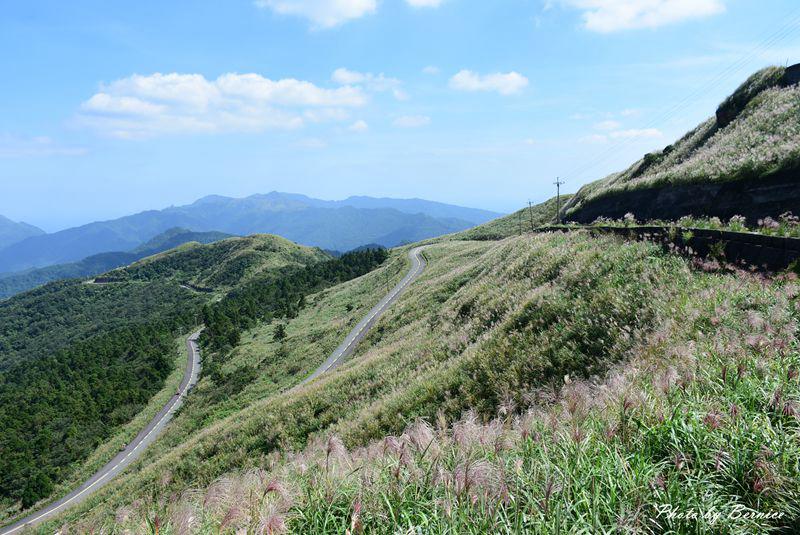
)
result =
(56, 409)
(78, 360)
(43, 321)
(279, 296)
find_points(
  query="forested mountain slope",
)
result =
(744, 161)
(79, 359)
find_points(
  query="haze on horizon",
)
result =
(110, 112)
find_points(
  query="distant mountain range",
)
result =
(12, 232)
(11, 285)
(334, 225)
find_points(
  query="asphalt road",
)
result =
(349, 344)
(125, 457)
(157, 424)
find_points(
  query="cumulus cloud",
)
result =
(432, 70)
(412, 121)
(12, 146)
(145, 106)
(503, 83)
(606, 16)
(377, 83)
(322, 13)
(424, 3)
(359, 126)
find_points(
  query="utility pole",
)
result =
(558, 183)
(530, 213)
(519, 221)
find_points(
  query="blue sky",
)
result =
(111, 107)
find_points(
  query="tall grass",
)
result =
(544, 384)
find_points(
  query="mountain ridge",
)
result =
(13, 284)
(12, 232)
(334, 225)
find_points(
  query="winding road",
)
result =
(358, 333)
(153, 429)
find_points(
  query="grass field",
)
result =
(520, 222)
(593, 393)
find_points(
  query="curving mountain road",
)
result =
(147, 435)
(131, 452)
(358, 333)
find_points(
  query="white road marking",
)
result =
(417, 266)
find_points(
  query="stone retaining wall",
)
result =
(771, 253)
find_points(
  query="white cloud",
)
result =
(376, 83)
(322, 13)
(347, 77)
(35, 147)
(607, 125)
(412, 121)
(503, 83)
(145, 106)
(424, 3)
(529, 141)
(432, 70)
(606, 16)
(359, 126)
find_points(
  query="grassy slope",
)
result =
(498, 325)
(82, 311)
(763, 138)
(20, 282)
(513, 224)
(221, 265)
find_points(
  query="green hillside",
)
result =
(755, 136)
(221, 266)
(586, 383)
(94, 265)
(79, 360)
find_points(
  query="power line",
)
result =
(558, 183)
(771, 40)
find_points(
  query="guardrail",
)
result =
(747, 249)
